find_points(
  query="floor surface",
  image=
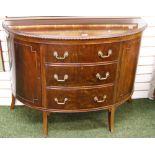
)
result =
(131, 120)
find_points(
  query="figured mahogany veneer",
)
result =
(73, 64)
(79, 75)
(79, 99)
(82, 53)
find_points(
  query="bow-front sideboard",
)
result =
(73, 64)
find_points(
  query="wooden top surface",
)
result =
(74, 27)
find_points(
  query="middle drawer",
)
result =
(80, 75)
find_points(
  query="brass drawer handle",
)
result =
(63, 80)
(55, 54)
(61, 103)
(101, 54)
(100, 101)
(98, 76)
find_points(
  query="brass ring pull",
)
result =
(63, 80)
(100, 101)
(98, 76)
(55, 54)
(61, 103)
(101, 54)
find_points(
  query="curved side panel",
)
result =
(127, 68)
(27, 66)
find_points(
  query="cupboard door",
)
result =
(28, 72)
(128, 65)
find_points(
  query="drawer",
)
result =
(82, 53)
(80, 75)
(74, 99)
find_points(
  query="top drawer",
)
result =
(82, 53)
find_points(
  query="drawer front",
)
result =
(80, 75)
(82, 53)
(74, 99)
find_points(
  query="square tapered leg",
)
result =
(111, 118)
(45, 123)
(13, 102)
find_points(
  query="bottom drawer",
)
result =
(76, 99)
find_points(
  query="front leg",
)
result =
(45, 123)
(111, 117)
(13, 102)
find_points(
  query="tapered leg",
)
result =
(111, 115)
(45, 123)
(129, 100)
(13, 102)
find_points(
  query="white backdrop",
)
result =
(77, 8)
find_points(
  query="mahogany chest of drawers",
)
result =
(67, 64)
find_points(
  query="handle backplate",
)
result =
(55, 54)
(56, 77)
(96, 99)
(61, 103)
(98, 76)
(102, 55)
